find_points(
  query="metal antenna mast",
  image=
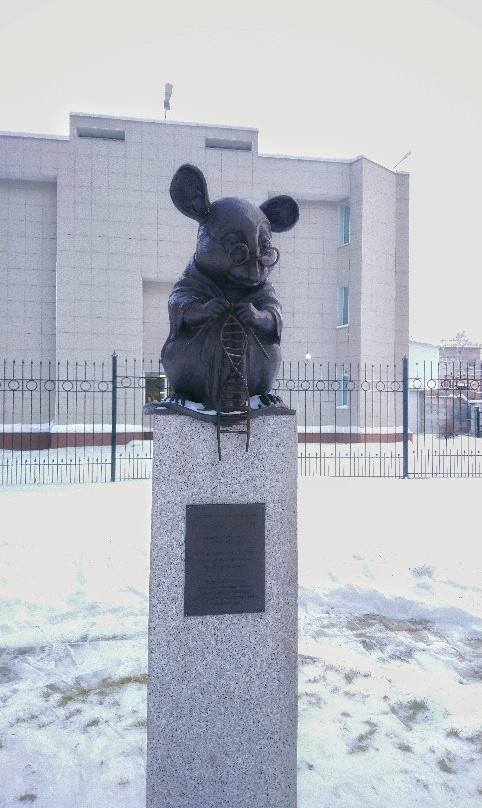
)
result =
(400, 161)
(167, 98)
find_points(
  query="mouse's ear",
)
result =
(189, 192)
(282, 212)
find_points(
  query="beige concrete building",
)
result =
(90, 242)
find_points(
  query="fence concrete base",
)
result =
(33, 441)
(351, 437)
(222, 689)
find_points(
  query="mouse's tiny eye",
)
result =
(229, 241)
(239, 254)
(269, 256)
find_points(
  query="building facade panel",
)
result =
(92, 226)
(27, 268)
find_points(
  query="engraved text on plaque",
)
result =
(225, 559)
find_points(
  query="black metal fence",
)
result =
(84, 422)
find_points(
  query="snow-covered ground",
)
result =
(388, 642)
(428, 456)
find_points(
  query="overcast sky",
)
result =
(325, 79)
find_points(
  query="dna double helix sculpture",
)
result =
(233, 408)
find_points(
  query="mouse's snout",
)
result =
(251, 273)
(255, 269)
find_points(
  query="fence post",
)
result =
(113, 433)
(405, 415)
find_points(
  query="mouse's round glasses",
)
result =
(240, 254)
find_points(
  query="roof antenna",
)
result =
(167, 98)
(396, 164)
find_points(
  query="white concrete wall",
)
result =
(378, 258)
(155, 319)
(422, 354)
(28, 223)
(384, 288)
(402, 305)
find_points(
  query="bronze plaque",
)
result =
(224, 566)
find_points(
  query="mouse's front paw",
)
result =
(215, 307)
(249, 315)
(246, 312)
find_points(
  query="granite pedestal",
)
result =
(222, 688)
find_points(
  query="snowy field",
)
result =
(388, 681)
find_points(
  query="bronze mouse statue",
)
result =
(225, 318)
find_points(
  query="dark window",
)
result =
(220, 143)
(156, 386)
(101, 132)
